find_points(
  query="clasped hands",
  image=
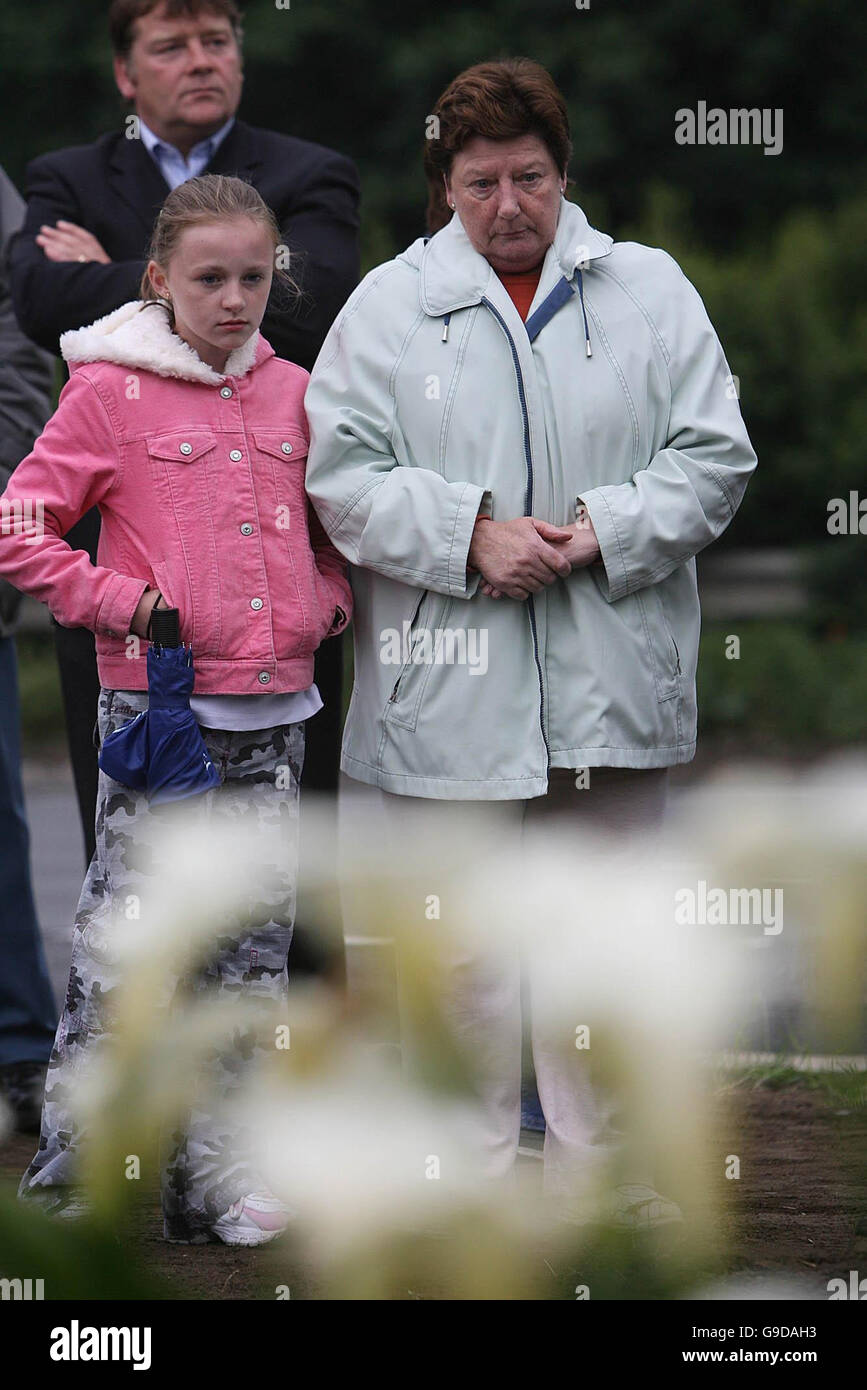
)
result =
(518, 558)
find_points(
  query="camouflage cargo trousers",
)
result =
(203, 1163)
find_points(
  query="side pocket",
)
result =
(664, 655)
(404, 702)
(169, 590)
(103, 716)
(413, 629)
(160, 575)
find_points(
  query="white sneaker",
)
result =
(635, 1206)
(64, 1204)
(252, 1220)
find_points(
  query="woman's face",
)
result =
(507, 194)
(218, 281)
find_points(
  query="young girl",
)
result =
(189, 434)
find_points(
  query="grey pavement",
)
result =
(57, 860)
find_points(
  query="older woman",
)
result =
(523, 431)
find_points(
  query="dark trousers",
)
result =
(27, 1016)
(313, 953)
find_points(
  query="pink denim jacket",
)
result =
(199, 480)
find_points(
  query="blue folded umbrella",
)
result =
(162, 751)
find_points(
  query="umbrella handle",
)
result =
(164, 627)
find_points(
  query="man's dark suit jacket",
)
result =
(114, 189)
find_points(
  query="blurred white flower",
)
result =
(359, 1155)
(631, 995)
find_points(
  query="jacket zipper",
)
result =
(393, 696)
(528, 511)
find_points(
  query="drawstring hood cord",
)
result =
(560, 295)
(584, 313)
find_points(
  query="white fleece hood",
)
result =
(134, 336)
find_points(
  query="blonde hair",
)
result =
(208, 198)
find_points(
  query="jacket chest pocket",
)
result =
(181, 459)
(182, 465)
(286, 451)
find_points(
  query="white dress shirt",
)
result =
(175, 167)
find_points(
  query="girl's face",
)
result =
(218, 281)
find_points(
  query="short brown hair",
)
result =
(123, 14)
(208, 198)
(500, 100)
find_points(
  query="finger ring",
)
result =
(82, 258)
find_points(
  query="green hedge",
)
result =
(789, 690)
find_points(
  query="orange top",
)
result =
(522, 285)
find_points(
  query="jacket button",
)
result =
(264, 677)
(246, 528)
(257, 603)
(225, 392)
(186, 448)
(235, 455)
(286, 447)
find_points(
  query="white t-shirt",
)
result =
(241, 712)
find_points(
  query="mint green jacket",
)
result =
(431, 403)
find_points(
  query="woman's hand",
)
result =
(582, 548)
(150, 599)
(519, 557)
(576, 544)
